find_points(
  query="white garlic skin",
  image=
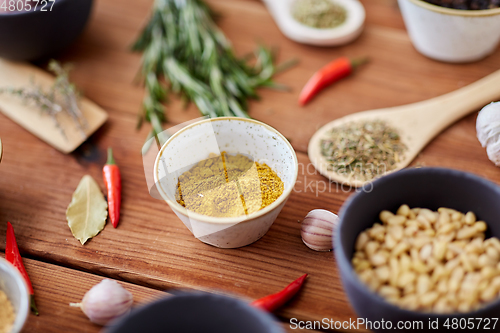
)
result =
(106, 301)
(318, 229)
(488, 130)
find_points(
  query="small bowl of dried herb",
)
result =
(14, 299)
(226, 178)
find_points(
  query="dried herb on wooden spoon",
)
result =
(184, 52)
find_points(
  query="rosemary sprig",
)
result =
(184, 52)
(60, 97)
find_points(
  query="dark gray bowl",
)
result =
(197, 313)
(427, 188)
(31, 35)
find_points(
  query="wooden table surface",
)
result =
(151, 250)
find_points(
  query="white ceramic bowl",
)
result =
(14, 286)
(194, 143)
(451, 35)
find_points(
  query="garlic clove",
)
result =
(488, 130)
(318, 229)
(105, 302)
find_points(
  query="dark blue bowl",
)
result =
(30, 35)
(427, 188)
(197, 313)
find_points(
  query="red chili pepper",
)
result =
(113, 182)
(13, 256)
(332, 72)
(275, 301)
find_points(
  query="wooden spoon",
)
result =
(417, 123)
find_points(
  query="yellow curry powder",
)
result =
(228, 186)
(7, 315)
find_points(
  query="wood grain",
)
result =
(151, 247)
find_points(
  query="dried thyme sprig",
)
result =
(184, 52)
(363, 150)
(68, 92)
(60, 97)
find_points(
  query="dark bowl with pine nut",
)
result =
(29, 33)
(430, 188)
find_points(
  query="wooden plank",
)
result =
(55, 287)
(151, 246)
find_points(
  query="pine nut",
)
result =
(400, 248)
(388, 291)
(385, 215)
(404, 210)
(383, 273)
(470, 218)
(425, 252)
(396, 220)
(380, 258)
(467, 232)
(480, 226)
(439, 250)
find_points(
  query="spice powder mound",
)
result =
(362, 150)
(7, 315)
(228, 186)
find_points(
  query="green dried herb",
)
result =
(321, 14)
(363, 150)
(184, 52)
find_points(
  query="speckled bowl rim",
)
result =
(456, 12)
(228, 220)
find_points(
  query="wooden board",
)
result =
(63, 133)
(151, 247)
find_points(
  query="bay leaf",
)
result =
(87, 211)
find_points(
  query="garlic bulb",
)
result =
(318, 229)
(488, 130)
(105, 301)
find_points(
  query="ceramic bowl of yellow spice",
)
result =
(227, 178)
(14, 299)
